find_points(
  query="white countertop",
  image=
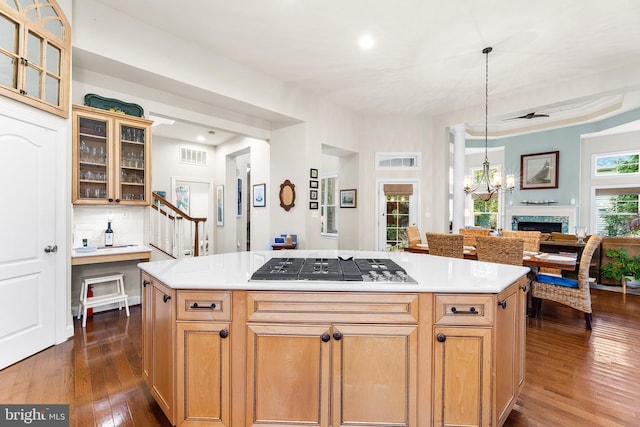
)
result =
(433, 273)
(115, 250)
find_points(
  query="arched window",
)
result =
(35, 44)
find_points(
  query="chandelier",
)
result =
(487, 186)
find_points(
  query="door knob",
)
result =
(48, 249)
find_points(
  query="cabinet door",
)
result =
(507, 354)
(462, 376)
(92, 158)
(147, 328)
(288, 375)
(203, 374)
(162, 369)
(374, 375)
(133, 153)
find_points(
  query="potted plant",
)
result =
(622, 267)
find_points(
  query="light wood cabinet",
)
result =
(159, 370)
(333, 358)
(315, 372)
(110, 158)
(478, 356)
(203, 359)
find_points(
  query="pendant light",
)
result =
(487, 187)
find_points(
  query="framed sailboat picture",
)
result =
(539, 170)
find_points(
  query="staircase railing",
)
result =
(174, 232)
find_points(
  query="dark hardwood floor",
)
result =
(574, 377)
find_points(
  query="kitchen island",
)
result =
(445, 348)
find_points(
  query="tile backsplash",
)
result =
(129, 224)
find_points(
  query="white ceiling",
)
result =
(427, 58)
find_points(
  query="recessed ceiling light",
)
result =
(200, 138)
(366, 42)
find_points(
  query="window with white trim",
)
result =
(398, 161)
(618, 212)
(328, 205)
(35, 44)
(612, 164)
(485, 212)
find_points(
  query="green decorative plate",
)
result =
(115, 105)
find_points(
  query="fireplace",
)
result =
(545, 218)
(544, 227)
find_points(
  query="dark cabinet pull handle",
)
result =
(503, 304)
(337, 335)
(472, 310)
(325, 337)
(524, 288)
(212, 306)
(117, 200)
(224, 333)
(110, 200)
(441, 337)
(166, 298)
(145, 283)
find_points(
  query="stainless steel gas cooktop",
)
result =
(333, 270)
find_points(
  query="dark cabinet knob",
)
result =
(325, 337)
(503, 304)
(110, 200)
(145, 283)
(524, 288)
(441, 337)
(117, 200)
(166, 298)
(224, 333)
(337, 335)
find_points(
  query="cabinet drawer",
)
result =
(464, 309)
(332, 307)
(197, 305)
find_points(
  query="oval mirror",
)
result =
(287, 195)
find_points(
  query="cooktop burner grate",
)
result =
(332, 269)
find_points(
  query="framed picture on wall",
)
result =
(539, 170)
(313, 205)
(313, 184)
(259, 196)
(220, 205)
(313, 173)
(313, 195)
(348, 198)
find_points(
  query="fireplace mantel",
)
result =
(567, 212)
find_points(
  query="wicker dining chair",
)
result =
(471, 233)
(449, 245)
(574, 293)
(499, 250)
(531, 238)
(413, 235)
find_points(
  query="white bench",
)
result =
(117, 295)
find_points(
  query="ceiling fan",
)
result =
(529, 116)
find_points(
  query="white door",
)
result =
(27, 227)
(395, 212)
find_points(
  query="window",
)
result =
(618, 212)
(617, 164)
(398, 161)
(397, 220)
(35, 41)
(485, 212)
(328, 200)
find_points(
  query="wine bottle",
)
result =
(108, 235)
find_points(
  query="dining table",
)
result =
(566, 262)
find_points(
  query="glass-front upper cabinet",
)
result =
(111, 158)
